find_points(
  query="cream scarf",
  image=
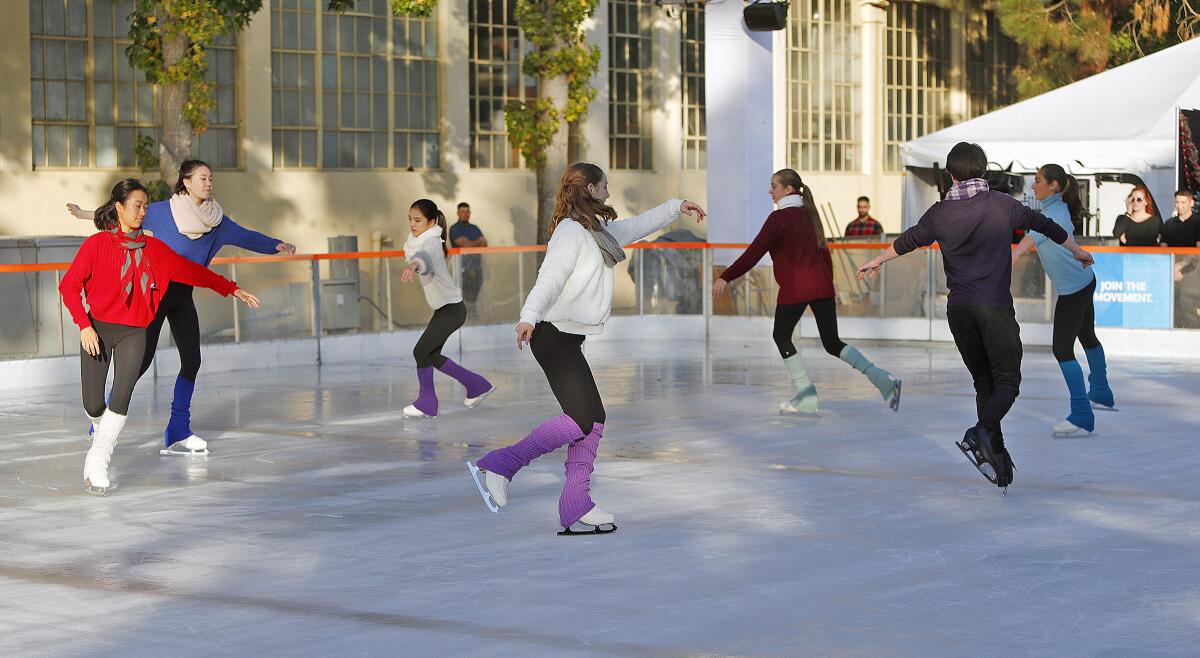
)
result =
(195, 220)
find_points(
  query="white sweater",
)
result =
(426, 251)
(574, 288)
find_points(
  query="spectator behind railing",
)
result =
(864, 224)
(1182, 230)
(465, 234)
(1141, 225)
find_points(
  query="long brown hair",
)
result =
(574, 201)
(430, 210)
(789, 178)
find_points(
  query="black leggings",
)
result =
(178, 307)
(989, 340)
(1074, 317)
(122, 345)
(787, 316)
(561, 357)
(445, 321)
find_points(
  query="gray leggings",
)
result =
(120, 344)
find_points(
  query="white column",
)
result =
(455, 60)
(255, 78)
(595, 125)
(741, 127)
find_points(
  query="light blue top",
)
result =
(1067, 274)
(203, 249)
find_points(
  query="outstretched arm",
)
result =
(240, 236)
(80, 213)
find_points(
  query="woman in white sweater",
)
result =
(425, 251)
(572, 299)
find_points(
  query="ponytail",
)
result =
(1068, 187)
(105, 218)
(431, 211)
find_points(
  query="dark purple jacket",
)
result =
(975, 237)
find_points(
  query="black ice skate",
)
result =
(986, 452)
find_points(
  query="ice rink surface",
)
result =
(324, 524)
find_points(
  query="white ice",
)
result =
(325, 524)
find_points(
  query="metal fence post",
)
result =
(641, 280)
(62, 339)
(237, 314)
(882, 291)
(706, 261)
(520, 282)
(315, 268)
(387, 286)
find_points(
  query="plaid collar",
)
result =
(967, 189)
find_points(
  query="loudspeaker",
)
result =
(765, 16)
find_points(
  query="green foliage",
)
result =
(146, 156)
(1068, 40)
(555, 30)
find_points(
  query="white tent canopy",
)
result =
(1123, 120)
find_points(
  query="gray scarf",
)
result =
(609, 247)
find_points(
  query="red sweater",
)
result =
(96, 271)
(803, 270)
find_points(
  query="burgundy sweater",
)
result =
(975, 236)
(96, 271)
(803, 270)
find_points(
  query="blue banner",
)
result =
(1133, 290)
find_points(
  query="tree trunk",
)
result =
(555, 90)
(175, 139)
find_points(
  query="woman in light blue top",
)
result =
(1074, 313)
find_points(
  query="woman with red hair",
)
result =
(1140, 226)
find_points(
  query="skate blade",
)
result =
(184, 452)
(471, 403)
(1078, 434)
(894, 403)
(1100, 407)
(416, 415)
(90, 489)
(487, 495)
(602, 529)
(982, 466)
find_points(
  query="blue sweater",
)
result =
(975, 236)
(203, 249)
(1068, 274)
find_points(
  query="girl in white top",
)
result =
(571, 299)
(425, 251)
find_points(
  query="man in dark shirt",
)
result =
(1182, 230)
(864, 224)
(465, 234)
(973, 227)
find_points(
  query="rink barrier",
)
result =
(742, 303)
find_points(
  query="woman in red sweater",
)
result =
(804, 270)
(123, 272)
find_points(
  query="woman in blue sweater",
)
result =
(193, 225)
(1074, 313)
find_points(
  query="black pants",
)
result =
(178, 307)
(445, 321)
(989, 340)
(561, 357)
(787, 316)
(1074, 317)
(123, 346)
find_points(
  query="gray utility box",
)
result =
(34, 323)
(340, 292)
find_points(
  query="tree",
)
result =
(169, 38)
(563, 65)
(1068, 40)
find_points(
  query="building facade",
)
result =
(331, 124)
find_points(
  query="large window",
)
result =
(353, 90)
(991, 58)
(695, 147)
(495, 80)
(629, 82)
(823, 106)
(90, 107)
(917, 76)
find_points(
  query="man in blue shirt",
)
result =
(465, 234)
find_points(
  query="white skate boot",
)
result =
(492, 487)
(95, 465)
(1067, 428)
(191, 446)
(595, 522)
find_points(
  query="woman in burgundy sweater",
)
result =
(804, 270)
(123, 272)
